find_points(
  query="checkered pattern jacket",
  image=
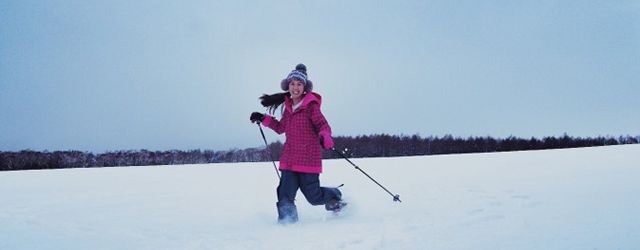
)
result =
(302, 150)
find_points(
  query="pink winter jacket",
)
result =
(302, 150)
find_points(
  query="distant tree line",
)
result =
(378, 145)
(29, 160)
(383, 145)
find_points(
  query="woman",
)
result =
(307, 131)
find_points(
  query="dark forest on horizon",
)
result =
(377, 145)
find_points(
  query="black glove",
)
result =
(256, 117)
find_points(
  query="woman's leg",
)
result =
(316, 195)
(287, 189)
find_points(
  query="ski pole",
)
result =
(266, 144)
(395, 197)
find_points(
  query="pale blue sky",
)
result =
(158, 75)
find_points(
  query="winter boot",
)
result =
(335, 205)
(287, 213)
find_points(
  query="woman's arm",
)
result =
(273, 123)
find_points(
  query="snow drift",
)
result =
(558, 199)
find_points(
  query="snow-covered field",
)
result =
(585, 198)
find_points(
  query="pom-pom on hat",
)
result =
(300, 73)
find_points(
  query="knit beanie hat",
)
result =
(300, 73)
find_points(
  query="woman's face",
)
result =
(296, 88)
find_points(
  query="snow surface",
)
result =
(584, 198)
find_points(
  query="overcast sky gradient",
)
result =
(115, 75)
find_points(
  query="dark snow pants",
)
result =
(309, 184)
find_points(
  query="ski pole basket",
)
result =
(395, 197)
